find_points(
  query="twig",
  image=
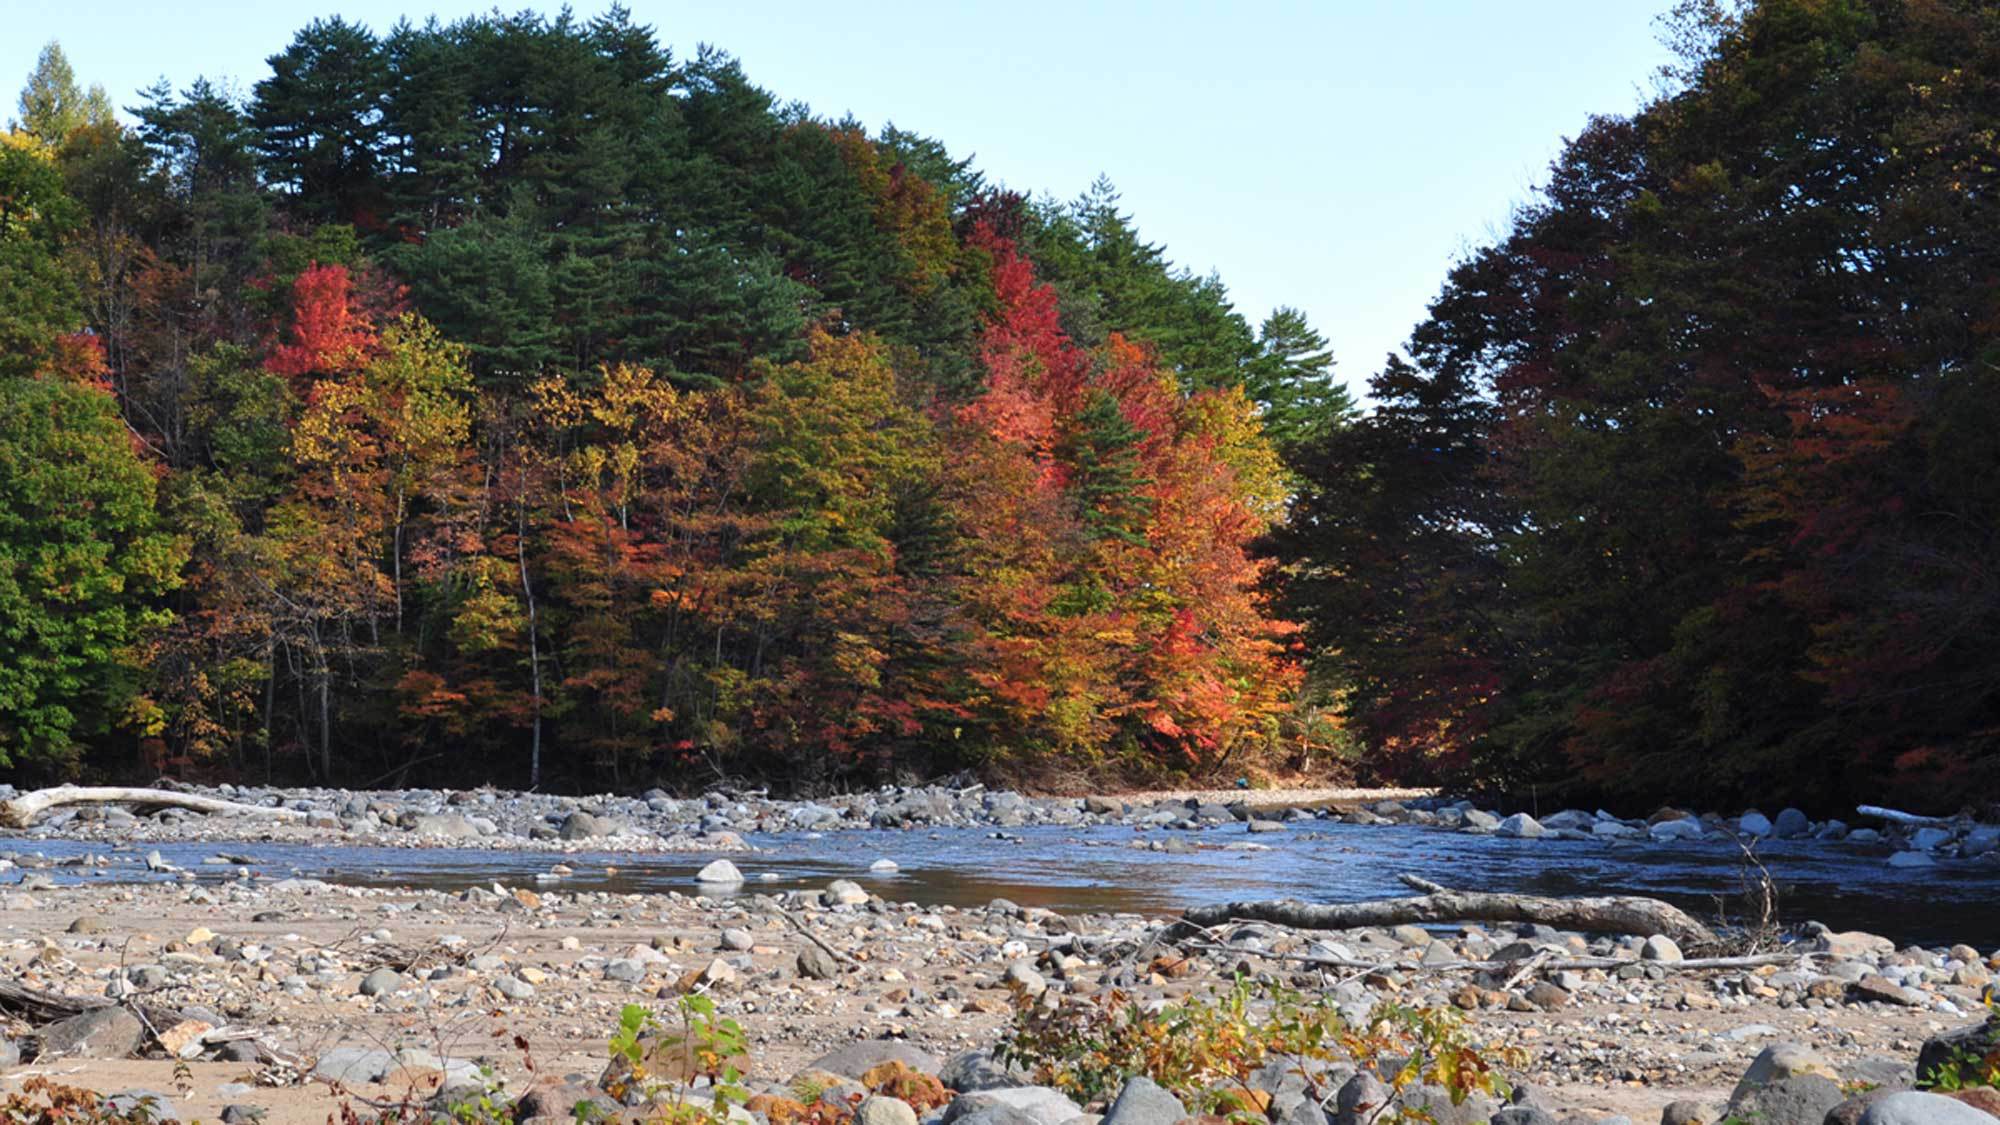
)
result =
(814, 938)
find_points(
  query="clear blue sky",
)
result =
(1336, 156)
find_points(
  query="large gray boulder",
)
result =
(1143, 1101)
(1039, 1104)
(449, 826)
(101, 1033)
(972, 1071)
(1802, 1100)
(1913, 1108)
(858, 1058)
(1940, 1049)
(1521, 826)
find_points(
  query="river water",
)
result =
(1097, 869)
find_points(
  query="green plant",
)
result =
(1971, 1066)
(705, 1046)
(1206, 1049)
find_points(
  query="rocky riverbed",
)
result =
(383, 992)
(282, 995)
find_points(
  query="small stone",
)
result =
(1023, 976)
(381, 982)
(1660, 947)
(513, 988)
(817, 964)
(737, 940)
(89, 924)
(881, 1110)
(884, 867)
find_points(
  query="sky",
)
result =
(1336, 156)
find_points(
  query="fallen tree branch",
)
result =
(24, 810)
(1619, 914)
(1578, 963)
(39, 1008)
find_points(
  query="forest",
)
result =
(509, 401)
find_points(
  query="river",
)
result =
(1097, 869)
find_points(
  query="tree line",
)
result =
(508, 400)
(1688, 488)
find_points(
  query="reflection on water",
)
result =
(1094, 869)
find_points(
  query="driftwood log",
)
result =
(1409, 965)
(1615, 914)
(24, 810)
(1897, 816)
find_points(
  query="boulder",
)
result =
(858, 1058)
(971, 1071)
(1660, 947)
(146, 1105)
(1851, 945)
(1521, 826)
(449, 826)
(1754, 823)
(1685, 828)
(883, 1110)
(1790, 823)
(1803, 1099)
(844, 892)
(1882, 990)
(720, 873)
(1940, 1049)
(101, 1033)
(1039, 1104)
(1910, 1107)
(556, 1098)
(353, 1066)
(1687, 1111)
(1143, 1101)
(1778, 1062)
(815, 963)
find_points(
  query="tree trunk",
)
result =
(22, 811)
(1618, 914)
(534, 648)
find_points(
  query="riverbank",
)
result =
(388, 990)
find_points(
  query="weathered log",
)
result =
(1897, 816)
(1616, 914)
(24, 810)
(1411, 965)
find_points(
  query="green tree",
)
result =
(82, 562)
(1292, 380)
(53, 106)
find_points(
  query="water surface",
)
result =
(1095, 869)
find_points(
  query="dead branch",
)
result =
(24, 810)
